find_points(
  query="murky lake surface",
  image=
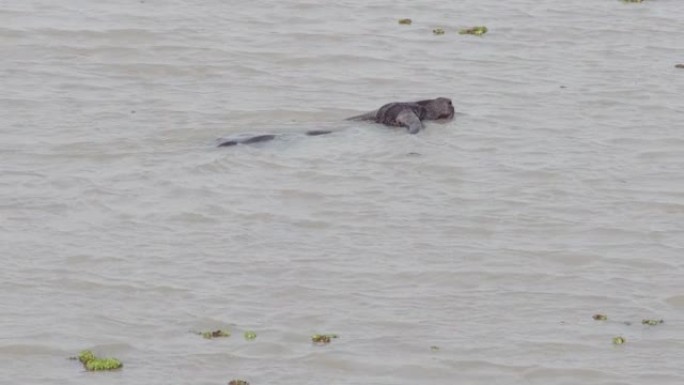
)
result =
(557, 193)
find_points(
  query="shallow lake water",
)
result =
(475, 252)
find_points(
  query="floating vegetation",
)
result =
(652, 322)
(632, 1)
(478, 30)
(679, 65)
(619, 340)
(238, 382)
(103, 364)
(86, 356)
(322, 339)
(215, 334)
(92, 363)
(438, 31)
(434, 348)
(250, 335)
(405, 21)
(600, 317)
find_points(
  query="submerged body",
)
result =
(264, 138)
(400, 114)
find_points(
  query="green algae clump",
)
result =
(679, 66)
(92, 363)
(86, 356)
(619, 340)
(600, 317)
(215, 334)
(478, 30)
(438, 31)
(98, 364)
(238, 382)
(632, 1)
(322, 339)
(405, 21)
(652, 322)
(250, 335)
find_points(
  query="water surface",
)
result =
(557, 193)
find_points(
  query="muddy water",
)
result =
(557, 193)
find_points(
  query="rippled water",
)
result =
(557, 193)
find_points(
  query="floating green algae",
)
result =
(86, 356)
(215, 334)
(322, 339)
(652, 322)
(238, 382)
(600, 317)
(92, 363)
(477, 30)
(679, 65)
(632, 1)
(250, 335)
(405, 21)
(619, 340)
(434, 348)
(438, 31)
(103, 364)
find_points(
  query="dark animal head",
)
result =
(438, 109)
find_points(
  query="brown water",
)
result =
(557, 193)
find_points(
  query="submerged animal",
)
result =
(399, 114)
(412, 114)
